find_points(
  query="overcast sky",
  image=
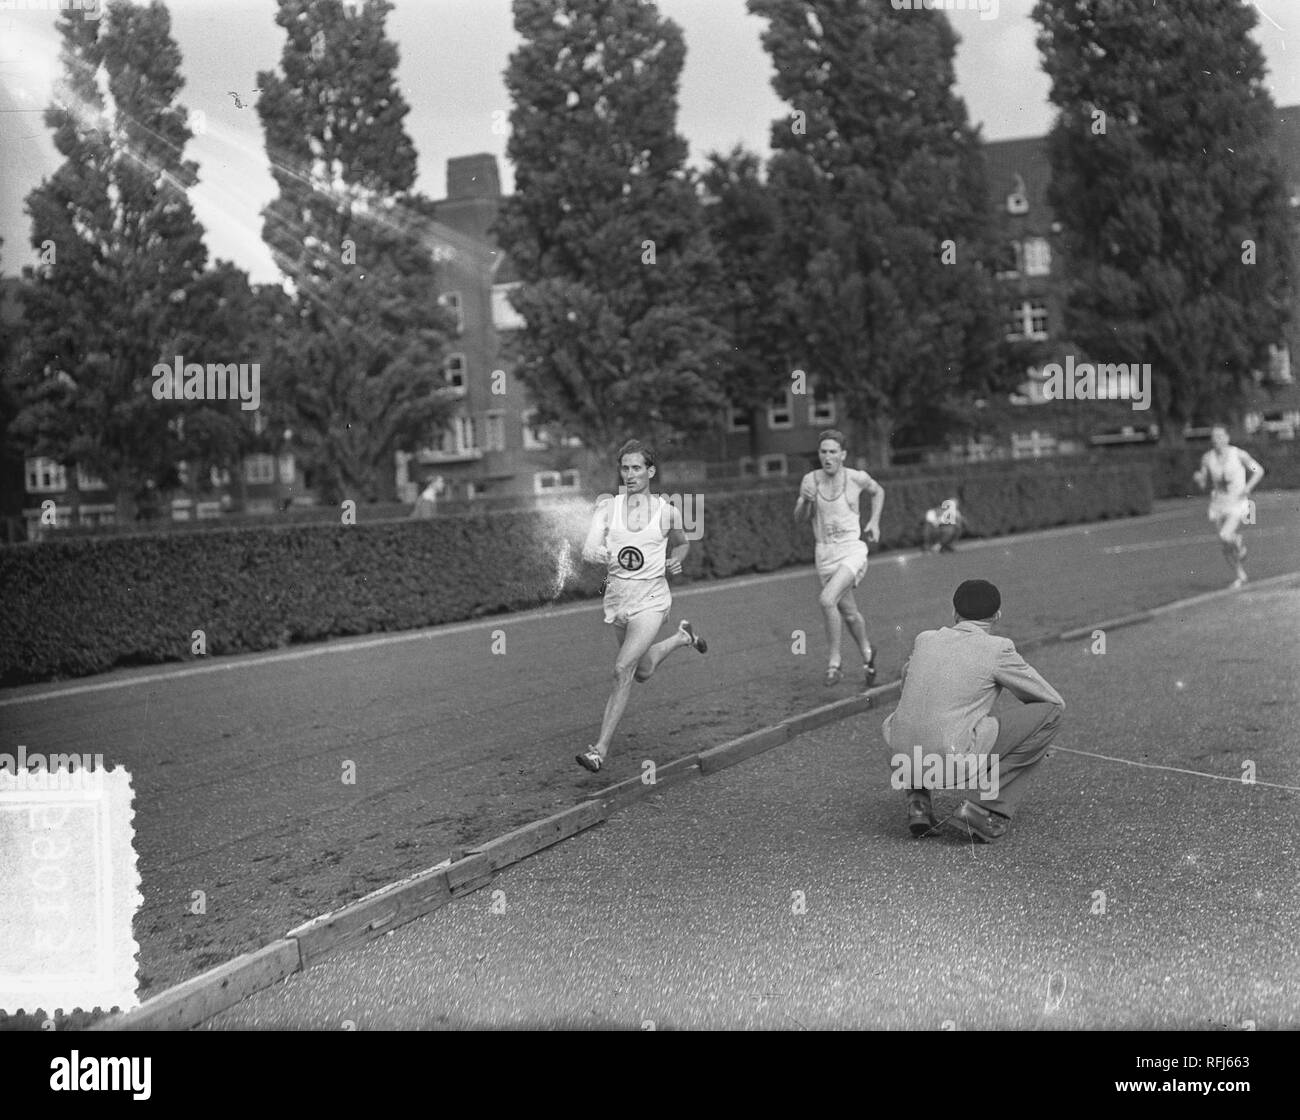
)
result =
(453, 53)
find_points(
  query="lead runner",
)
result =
(831, 497)
(630, 535)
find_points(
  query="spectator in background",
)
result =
(943, 527)
(427, 503)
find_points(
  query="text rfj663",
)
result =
(192, 381)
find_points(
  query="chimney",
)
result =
(473, 177)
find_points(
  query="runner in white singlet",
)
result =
(1226, 468)
(630, 535)
(831, 497)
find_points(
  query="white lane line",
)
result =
(250, 661)
(1172, 542)
(1175, 769)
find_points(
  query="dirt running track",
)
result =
(238, 774)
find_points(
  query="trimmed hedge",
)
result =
(80, 606)
(1172, 467)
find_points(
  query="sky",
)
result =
(453, 53)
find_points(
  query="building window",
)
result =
(259, 468)
(87, 481)
(535, 435)
(1037, 256)
(504, 315)
(551, 482)
(1027, 320)
(737, 419)
(452, 302)
(1007, 262)
(453, 369)
(494, 431)
(463, 426)
(1018, 198)
(45, 476)
(1279, 364)
(771, 465)
(780, 412)
(821, 410)
(747, 467)
(457, 438)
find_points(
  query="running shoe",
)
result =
(833, 675)
(1237, 583)
(699, 643)
(590, 760)
(869, 669)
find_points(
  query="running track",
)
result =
(237, 764)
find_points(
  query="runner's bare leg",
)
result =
(656, 653)
(634, 642)
(853, 619)
(841, 579)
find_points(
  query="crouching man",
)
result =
(950, 683)
(943, 527)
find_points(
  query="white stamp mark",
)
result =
(69, 887)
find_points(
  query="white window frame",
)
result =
(556, 482)
(766, 463)
(821, 411)
(457, 378)
(453, 302)
(494, 431)
(45, 476)
(535, 437)
(788, 408)
(1027, 312)
(1036, 256)
(259, 469)
(504, 315)
(466, 433)
(739, 419)
(87, 481)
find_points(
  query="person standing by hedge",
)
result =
(831, 497)
(630, 535)
(1226, 468)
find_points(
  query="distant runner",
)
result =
(630, 535)
(831, 497)
(1226, 467)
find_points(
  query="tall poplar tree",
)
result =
(882, 214)
(605, 227)
(359, 358)
(750, 298)
(1172, 202)
(121, 257)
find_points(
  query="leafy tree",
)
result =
(121, 257)
(882, 214)
(741, 216)
(1166, 183)
(358, 353)
(605, 227)
(12, 483)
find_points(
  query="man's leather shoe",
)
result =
(920, 814)
(979, 824)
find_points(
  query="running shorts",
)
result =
(832, 556)
(627, 597)
(1223, 504)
